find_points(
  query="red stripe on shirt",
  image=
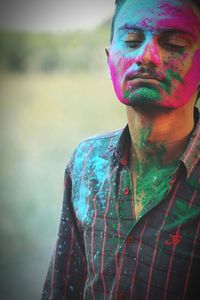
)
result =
(191, 260)
(104, 237)
(92, 243)
(170, 267)
(192, 199)
(120, 268)
(137, 256)
(157, 239)
(68, 264)
(118, 232)
(53, 270)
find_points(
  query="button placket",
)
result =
(125, 205)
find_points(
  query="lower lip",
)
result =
(145, 80)
(143, 83)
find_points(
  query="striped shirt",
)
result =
(103, 251)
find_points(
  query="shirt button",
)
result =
(126, 191)
(122, 296)
(129, 239)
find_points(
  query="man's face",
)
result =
(154, 57)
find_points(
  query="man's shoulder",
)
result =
(101, 138)
(97, 145)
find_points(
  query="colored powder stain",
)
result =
(181, 16)
(174, 239)
(182, 214)
(146, 23)
(145, 133)
(152, 162)
(167, 84)
(171, 74)
(96, 255)
(142, 94)
(71, 288)
(194, 183)
(115, 240)
(115, 226)
(192, 78)
(153, 184)
(126, 94)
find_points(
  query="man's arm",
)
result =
(67, 271)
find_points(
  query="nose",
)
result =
(149, 54)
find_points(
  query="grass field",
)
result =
(42, 118)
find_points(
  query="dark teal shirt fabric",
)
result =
(103, 251)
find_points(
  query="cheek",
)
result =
(118, 65)
(177, 64)
(188, 70)
(193, 75)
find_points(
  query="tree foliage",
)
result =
(48, 52)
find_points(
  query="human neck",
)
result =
(159, 136)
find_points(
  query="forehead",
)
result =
(158, 14)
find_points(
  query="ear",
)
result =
(107, 54)
(198, 95)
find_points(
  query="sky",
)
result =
(54, 15)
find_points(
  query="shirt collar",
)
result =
(123, 146)
(190, 157)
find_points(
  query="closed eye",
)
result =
(174, 42)
(134, 39)
(172, 47)
(133, 44)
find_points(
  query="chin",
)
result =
(142, 96)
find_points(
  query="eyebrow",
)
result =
(176, 31)
(128, 26)
(166, 30)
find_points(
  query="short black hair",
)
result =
(119, 3)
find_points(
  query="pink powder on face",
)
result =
(191, 82)
(117, 71)
(129, 64)
(146, 22)
(182, 91)
(180, 18)
(186, 65)
(152, 50)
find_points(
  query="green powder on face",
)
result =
(142, 95)
(170, 75)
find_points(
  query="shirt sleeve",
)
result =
(67, 270)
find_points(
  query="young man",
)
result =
(130, 226)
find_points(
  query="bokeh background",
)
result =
(55, 90)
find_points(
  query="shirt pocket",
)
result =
(179, 255)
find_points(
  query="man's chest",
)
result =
(161, 246)
(109, 205)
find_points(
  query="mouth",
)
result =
(144, 77)
(144, 82)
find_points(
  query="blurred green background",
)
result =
(55, 90)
